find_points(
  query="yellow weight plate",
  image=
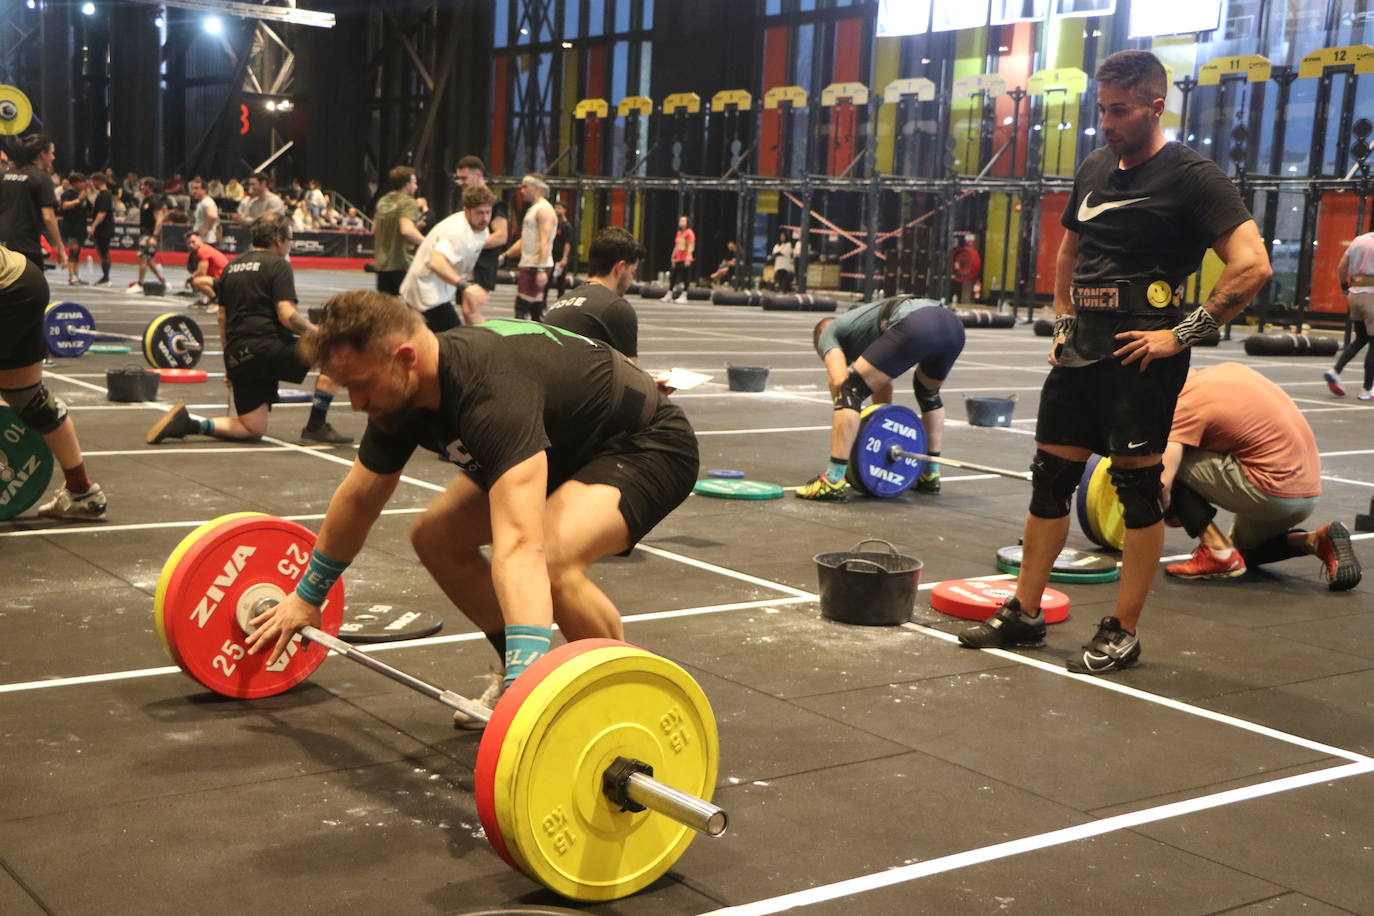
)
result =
(160, 595)
(15, 111)
(555, 818)
(1104, 509)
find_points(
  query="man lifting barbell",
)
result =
(258, 322)
(23, 299)
(569, 454)
(1142, 214)
(863, 351)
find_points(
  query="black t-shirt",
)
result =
(561, 236)
(23, 194)
(74, 218)
(510, 389)
(1151, 222)
(594, 311)
(147, 213)
(490, 258)
(249, 290)
(104, 203)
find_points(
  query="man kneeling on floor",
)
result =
(1238, 442)
(568, 453)
(258, 323)
(863, 351)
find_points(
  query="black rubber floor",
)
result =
(866, 770)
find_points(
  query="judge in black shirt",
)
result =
(568, 452)
(597, 309)
(28, 205)
(102, 224)
(258, 323)
(1143, 213)
(75, 209)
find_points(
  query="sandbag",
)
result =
(797, 302)
(982, 318)
(733, 297)
(1284, 344)
(698, 294)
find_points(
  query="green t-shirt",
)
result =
(390, 250)
(853, 331)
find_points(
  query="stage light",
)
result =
(88, 9)
(213, 25)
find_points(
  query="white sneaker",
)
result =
(134, 289)
(496, 685)
(89, 506)
(682, 298)
(1366, 395)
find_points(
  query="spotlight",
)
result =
(31, 4)
(1007, 119)
(159, 22)
(1090, 131)
(88, 9)
(213, 25)
(271, 105)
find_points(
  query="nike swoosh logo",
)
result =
(1087, 211)
(1136, 444)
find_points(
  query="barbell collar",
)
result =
(898, 452)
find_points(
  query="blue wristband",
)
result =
(319, 578)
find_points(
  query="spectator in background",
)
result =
(784, 257)
(121, 206)
(295, 194)
(102, 223)
(330, 218)
(725, 272)
(215, 187)
(394, 224)
(152, 212)
(206, 263)
(353, 222)
(73, 210)
(562, 247)
(472, 172)
(684, 253)
(315, 202)
(130, 187)
(205, 221)
(260, 199)
(233, 190)
(300, 218)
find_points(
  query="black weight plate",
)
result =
(173, 342)
(385, 623)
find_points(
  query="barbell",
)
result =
(890, 453)
(170, 341)
(595, 769)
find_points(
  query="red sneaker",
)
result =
(1206, 565)
(1336, 554)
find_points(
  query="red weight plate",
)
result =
(183, 375)
(979, 599)
(489, 751)
(231, 566)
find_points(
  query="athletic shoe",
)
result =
(1009, 628)
(174, 424)
(929, 482)
(76, 281)
(682, 298)
(326, 434)
(89, 506)
(496, 686)
(1333, 382)
(667, 297)
(1341, 566)
(134, 289)
(1206, 565)
(822, 489)
(1366, 395)
(1111, 649)
(101, 282)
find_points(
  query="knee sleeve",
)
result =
(927, 398)
(1189, 509)
(1140, 493)
(39, 408)
(852, 394)
(1053, 480)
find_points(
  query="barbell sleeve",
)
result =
(688, 810)
(898, 452)
(180, 344)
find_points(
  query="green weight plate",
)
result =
(1070, 566)
(25, 465)
(108, 348)
(737, 489)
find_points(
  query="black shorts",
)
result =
(147, 248)
(654, 470)
(22, 305)
(1109, 408)
(484, 274)
(442, 317)
(102, 244)
(931, 338)
(72, 239)
(255, 366)
(389, 281)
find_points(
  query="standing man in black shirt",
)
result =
(1143, 213)
(472, 172)
(152, 210)
(258, 323)
(75, 210)
(28, 206)
(569, 454)
(102, 224)
(562, 248)
(597, 309)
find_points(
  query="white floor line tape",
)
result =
(151, 526)
(1067, 835)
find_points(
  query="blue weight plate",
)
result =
(879, 431)
(725, 474)
(1080, 499)
(61, 323)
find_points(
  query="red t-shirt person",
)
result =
(218, 260)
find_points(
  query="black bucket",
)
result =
(990, 411)
(747, 378)
(131, 383)
(868, 588)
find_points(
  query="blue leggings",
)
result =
(931, 338)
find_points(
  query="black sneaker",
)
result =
(1009, 628)
(1111, 649)
(174, 424)
(326, 434)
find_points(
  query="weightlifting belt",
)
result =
(1147, 297)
